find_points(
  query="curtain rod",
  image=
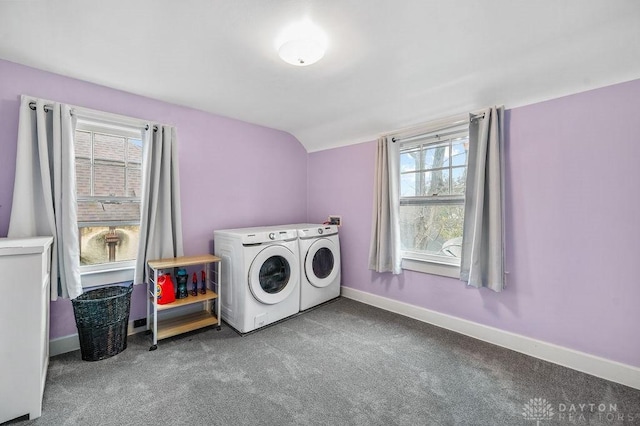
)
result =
(478, 116)
(48, 108)
(431, 135)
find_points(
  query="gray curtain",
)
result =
(161, 218)
(384, 251)
(482, 259)
(44, 192)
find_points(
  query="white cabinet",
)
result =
(24, 325)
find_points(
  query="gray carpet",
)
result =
(344, 363)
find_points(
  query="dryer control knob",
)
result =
(320, 231)
(272, 236)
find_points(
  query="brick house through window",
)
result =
(108, 185)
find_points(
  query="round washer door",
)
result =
(273, 274)
(322, 263)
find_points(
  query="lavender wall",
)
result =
(572, 222)
(571, 211)
(232, 173)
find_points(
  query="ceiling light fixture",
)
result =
(301, 44)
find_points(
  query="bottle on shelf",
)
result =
(182, 277)
(194, 282)
(164, 290)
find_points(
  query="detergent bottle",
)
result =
(165, 290)
(182, 277)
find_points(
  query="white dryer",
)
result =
(261, 275)
(319, 264)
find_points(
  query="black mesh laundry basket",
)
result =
(102, 318)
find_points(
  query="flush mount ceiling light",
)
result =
(301, 44)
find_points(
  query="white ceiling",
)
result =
(390, 63)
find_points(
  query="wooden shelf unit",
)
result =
(174, 326)
(189, 300)
(161, 329)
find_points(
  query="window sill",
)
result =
(114, 275)
(433, 268)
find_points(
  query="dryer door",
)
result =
(274, 274)
(322, 262)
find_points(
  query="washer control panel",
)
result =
(315, 231)
(268, 236)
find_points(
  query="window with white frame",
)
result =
(108, 162)
(433, 172)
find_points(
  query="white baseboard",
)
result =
(71, 343)
(62, 345)
(600, 367)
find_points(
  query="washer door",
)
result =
(322, 263)
(273, 274)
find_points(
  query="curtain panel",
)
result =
(44, 193)
(482, 258)
(161, 217)
(384, 250)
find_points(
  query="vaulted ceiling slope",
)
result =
(390, 64)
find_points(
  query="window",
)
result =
(108, 162)
(433, 172)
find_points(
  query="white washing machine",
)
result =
(319, 264)
(261, 275)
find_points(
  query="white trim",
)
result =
(432, 125)
(100, 268)
(107, 276)
(596, 366)
(108, 119)
(71, 342)
(433, 268)
(62, 345)
(95, 126)
(429, 127)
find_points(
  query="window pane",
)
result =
(83, 144)
(134, 151)
(108, 165)
(83, 176)
(109, 180)
(436, 183)
(95, 211)
(459, 149)
(458, 180)
(409, 184)
(410, 160)
(102, 244)
(433, 229)
(436, 156)
(108, 147)
(134, 179)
